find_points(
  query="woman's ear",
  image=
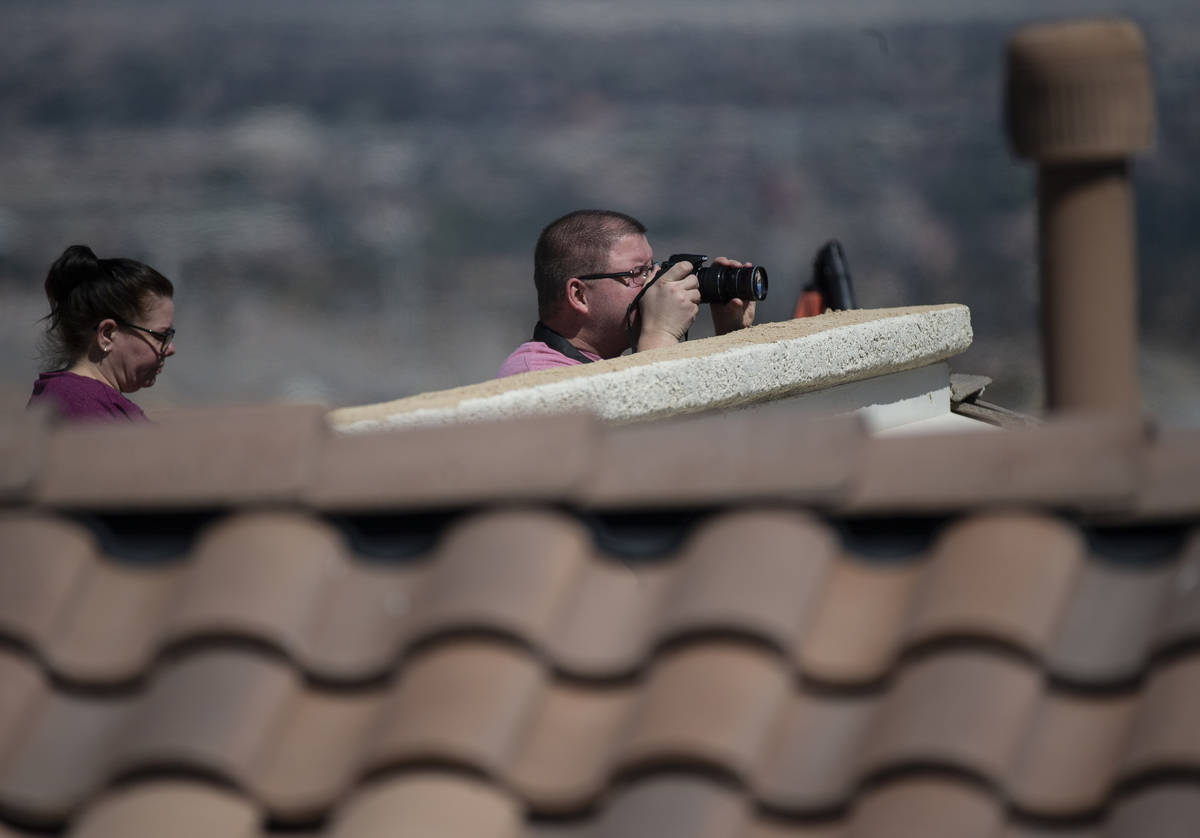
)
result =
(577, 295)
(104, 334)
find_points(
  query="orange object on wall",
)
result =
(810, 304)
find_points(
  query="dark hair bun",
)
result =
(77, 266)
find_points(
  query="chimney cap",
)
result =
(1079, 91)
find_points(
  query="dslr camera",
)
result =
(720, 283)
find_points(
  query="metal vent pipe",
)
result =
(1079, 102)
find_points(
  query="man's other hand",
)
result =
(735, 314)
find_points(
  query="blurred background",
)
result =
(347, 194)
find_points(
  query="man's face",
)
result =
(608, 299)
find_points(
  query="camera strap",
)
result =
(633, 307)
(546, 335)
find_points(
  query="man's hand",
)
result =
(669, 307)
(735, 314)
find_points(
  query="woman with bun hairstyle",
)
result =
(109, 331)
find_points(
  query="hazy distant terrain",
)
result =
(347, 195)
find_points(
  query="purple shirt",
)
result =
(535, 355)
(78, 397)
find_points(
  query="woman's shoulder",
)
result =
(65, 382)
(76, 396)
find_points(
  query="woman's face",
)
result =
(137, 357)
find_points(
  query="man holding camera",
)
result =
(589, 267)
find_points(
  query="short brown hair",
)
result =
(576, 244)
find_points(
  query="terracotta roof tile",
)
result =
(1106, 629)
(1179, 621)
(291, 581)
(858, 627)
(1165, 734)
(1072, 751)
(21, 687)
(56, 755)
(1005, 575)
(22, 447)
(466, 702)
(1091, 464)
(508, 571)
(673, 806)
(1169, 485)
(913, 724)
(920, 807)
(452, 805)
(428, 803)
(958, 708)
(287, 453)
(169, 807)
(356, 629)
(1171, 810)
(761, 572)
(606, 623)
(571, 749)
(810, 762)
(315, 751)
(689, 712)
(216, 710)
(488, 707)
(724, 458)
(261, 574)
(44, 560)
(764, 828)
(206, 457)
(988, 644)
(103, 632)
(1054, 830)
(12, 832)
(677, 805)
(488, 461)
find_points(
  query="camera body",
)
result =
(721, 283)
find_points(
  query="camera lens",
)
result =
(720, 284)
(757, 283)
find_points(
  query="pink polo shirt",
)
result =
(535, 355)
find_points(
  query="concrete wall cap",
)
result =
(755, 365)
